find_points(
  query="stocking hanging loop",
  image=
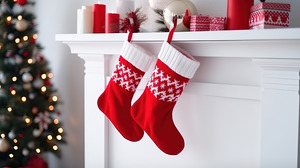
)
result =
(173, 29)
(131, 29)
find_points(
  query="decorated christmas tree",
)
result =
(29, 118)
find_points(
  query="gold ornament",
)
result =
(4, 145)
(178, 7)
(21, 25)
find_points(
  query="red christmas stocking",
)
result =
(115, 101)
(153, 110)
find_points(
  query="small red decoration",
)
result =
(21, 136)
(43, 119)
(32, 41)
(186, 19)
(133, 21)
(58, 113)
(25, 53)
(21, 2)
(11, 88)
(47, 82)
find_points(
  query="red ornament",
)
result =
(21, 2)
(187, 19)
(32, 41)
(47, 82)
(11, 88)
(58, 113)
(21, 136)
(34, 110)
(25, 53)
(41, 58)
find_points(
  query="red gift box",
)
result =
(269, 15)
(217, 23)
(199, 23)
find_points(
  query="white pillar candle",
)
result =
(124, 7)
(79, 21)
(85, 20)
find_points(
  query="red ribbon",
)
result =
(173, 29)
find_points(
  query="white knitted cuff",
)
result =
(183, 64)
(136, 56)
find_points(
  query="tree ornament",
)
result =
(11, 135)
(27, 77)
(4, 145)
(31, 96)
(2, 77)
(32, 41)
(27, 86)
(38, 83)
(21, 25)
(34, 110)
(47, 82)
(43, 119)
(10, 36)
(11, 88)
(25, 54)
(10, 60)
(19, 59)
(22, 2)
(178, 8)
(25, 152)
(20, 45)
(37, 132)
(31, 145)
(4, 7)
(21, 135)
(133, 21)
(9, 53)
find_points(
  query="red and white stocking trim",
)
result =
(136, 56)
(126, 77)
(178, 60)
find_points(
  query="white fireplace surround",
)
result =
(240, 110)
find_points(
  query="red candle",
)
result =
(99, 18)
(112, 23)
(238, 12)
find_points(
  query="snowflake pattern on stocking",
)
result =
(165, 87)
(126, 77)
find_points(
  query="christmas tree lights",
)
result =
(29, 117)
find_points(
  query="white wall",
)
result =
(58, 17)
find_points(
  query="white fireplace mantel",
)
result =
(271, 57)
